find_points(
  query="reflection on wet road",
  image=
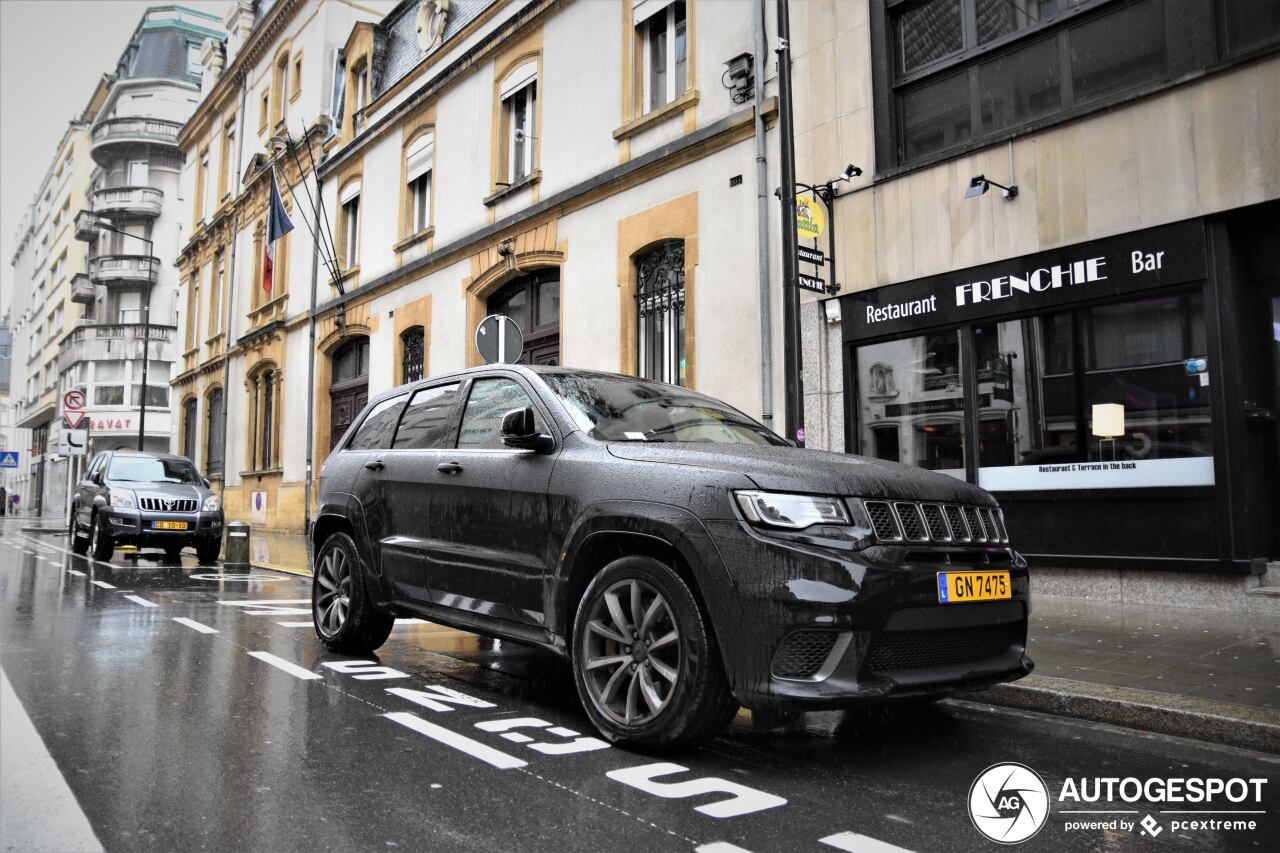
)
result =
(188, 708)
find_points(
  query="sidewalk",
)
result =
(1205, 674)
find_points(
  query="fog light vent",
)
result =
(809, 654)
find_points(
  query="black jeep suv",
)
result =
(150, 500)
(685, 558)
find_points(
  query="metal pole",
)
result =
(794, 420)
(146, 351)
(829, 198)
(762, 223)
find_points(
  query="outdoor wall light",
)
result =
(831, 307)
(979, 184)
(850, 172)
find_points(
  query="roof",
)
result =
(159, 45)
(399, 32)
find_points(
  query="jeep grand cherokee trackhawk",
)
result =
(682, 556)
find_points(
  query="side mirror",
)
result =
(520, 430)
(206, 482)
(97, 479)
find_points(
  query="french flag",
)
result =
(278, 225)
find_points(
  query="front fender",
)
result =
(346, 507)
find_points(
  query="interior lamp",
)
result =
(1108, 424)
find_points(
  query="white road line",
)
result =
(285, 666)
(720, 847)
(75, 572)
(104, 584)
(296, 624)
(33, 789)
(474, 748)
(139, 600)
(194, 625)
(855, 843)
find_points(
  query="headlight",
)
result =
(776, 509)
(212, 504)
(121, 500)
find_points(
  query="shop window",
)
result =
(662, 64)
(660, 312)
(412, 353)
(911, 401)
(425, 422)
(214, 444)
(519, 98)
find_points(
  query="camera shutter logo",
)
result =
(1008, 803)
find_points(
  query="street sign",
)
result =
(809, 282)
(810, 256)
(498, 340)
(9, 459)
(811, 219)
(73, 400)
(73, 419)
(73, 442)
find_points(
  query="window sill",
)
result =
(654, 117)
(415, 238)
(262, 472)
(192, 353)
(213, 340)
(348, 275)
(266, 309)
(524, 183)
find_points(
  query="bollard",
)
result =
(236, 554)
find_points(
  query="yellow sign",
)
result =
(811, 219)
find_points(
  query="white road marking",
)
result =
(75, 572)
(104, 584)
(139, 600)
(194, 625)
(855, 843)
(720, 847)
(270, 606)
(742, 800)
(285, 666)
(474, 748)
(32, 788)
(297, 624)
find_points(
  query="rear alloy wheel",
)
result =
(645, 659)
(344, 616)
(79, 544)
(100, 544)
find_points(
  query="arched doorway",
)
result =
(533, 302)
(349, 387)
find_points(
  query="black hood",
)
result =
(791, 469)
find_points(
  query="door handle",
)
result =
(449, 468)
(375, 465)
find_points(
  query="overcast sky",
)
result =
(52, 53)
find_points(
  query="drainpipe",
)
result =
(762, 222)
(231, 292)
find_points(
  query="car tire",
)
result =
(207, 552)
(345, 617)
(669, 694)
(100, 545)
(79, 544)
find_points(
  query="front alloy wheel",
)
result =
(79, 544)
(344, 615)
(100, 544)
(645, 658)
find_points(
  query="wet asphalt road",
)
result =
(234, 731)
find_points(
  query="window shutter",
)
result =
(643, 10)
(349, 192)
(418, 157)
(519, 78)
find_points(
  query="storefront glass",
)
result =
(912, 402)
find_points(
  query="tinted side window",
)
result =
(426, 420)
(375, 432)
(489, 400)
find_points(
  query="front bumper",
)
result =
(825, 626)
(135, 527)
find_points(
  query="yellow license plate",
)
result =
(169, 525)
(959, 587)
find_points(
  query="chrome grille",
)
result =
(167, 504)
(936, 523)
(883, 523)
(912, 523)
(908, 521)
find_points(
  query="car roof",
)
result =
(143, 454)
(525, 370)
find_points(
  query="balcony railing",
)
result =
(124, 270)
(131, 131)
(136, 201)
(98, 341)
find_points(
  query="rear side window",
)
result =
(489, 400)
(426, 420)
(375, 432)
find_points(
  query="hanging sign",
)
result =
(811, 219)
(810, 256)
(808, 282)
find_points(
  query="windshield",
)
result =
(616, 408)
(141, 469)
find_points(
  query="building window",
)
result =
(295, 82)
(519, 96)
(202, 185)
(264, 392)
(279, 89)
(349, 222)
(224, 159)
(419, 158)
(108, 383)
(533, 303)
(958, 72)
(193, 59)
(193, 303)
(157, 384)
(412, 351)
(359, 95)
(213, 453)
(660, 312)
(663, 59)
(264, 110)
(190, 419)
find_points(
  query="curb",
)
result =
(287, 570)
(1162, 713)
